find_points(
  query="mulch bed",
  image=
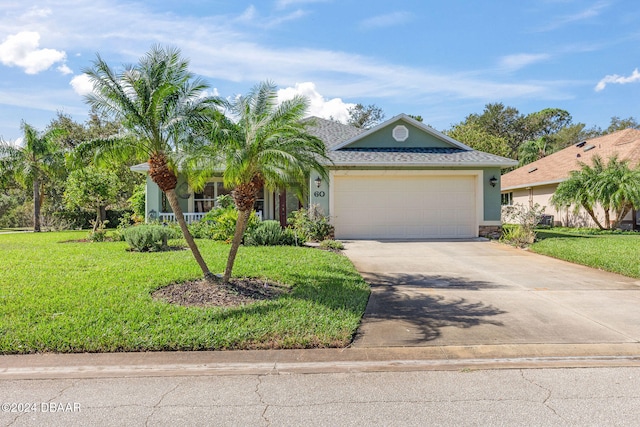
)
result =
(200, 293)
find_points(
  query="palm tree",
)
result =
(265, 147)
(575, 192)
(612, 185)
(40, 157)
(618, 188)
(159, 103)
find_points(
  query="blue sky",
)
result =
(439, 59)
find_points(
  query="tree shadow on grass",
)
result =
(544, 234)
(406, 300)
(338, 289)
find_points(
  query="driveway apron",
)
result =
(438, 293)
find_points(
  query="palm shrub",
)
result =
(264, 147)
(161, 106)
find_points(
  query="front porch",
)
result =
(195, 205)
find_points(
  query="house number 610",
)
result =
(318, 194)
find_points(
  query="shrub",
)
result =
(137, 200)
(268, 233)
(147, 237)
(311, 224)
(519, 224)
(331, 244)
(100, 235)
(220, 224)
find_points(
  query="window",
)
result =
(507, 199)
(205, 200)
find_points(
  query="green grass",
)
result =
(95, 297)
(618, 253)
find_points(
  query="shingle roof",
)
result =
(416, 157)
(333, 134)
(556, 167)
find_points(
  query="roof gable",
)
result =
(424, 147)
(556, 167)
(401, 132)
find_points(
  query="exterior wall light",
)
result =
(318, 182)
(493, 181)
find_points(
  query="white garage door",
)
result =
(404, 207)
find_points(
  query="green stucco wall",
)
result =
(383, 138)
(319, 196)
(492, 208)
(153, 199)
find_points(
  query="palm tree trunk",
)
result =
(241, 226)
(593, 217)
(177, 211)
(36, 205)
(620, 215)
(607, 218)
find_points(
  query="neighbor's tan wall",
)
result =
(565, 217)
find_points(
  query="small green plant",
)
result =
(146, 238)
(520, 223)
(311, 224)
(224, 201)
(125, 222)
(332, 244)
(270, 233)
(99, 233)
(220, 223)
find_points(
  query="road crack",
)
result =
(547, 397)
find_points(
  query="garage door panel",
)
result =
(404, 206)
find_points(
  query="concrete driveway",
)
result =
(463, 293)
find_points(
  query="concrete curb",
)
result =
(270, 362)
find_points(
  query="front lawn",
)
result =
(96, 297)
(618, 253)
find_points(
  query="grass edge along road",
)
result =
(57, 295)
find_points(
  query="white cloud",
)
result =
(333, 108)
(81, 84)
(64, 69)
(521, 60)
(582, 15)
(387, 20)
(22, 50)
(251, 16)
(614, 78)
(281, 4)
(38, 12)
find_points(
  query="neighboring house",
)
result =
(398, 180)
(537, 181)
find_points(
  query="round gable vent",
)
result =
(400, 133)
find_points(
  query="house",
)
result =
(398, 180)
(537, 181)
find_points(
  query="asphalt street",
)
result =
(542, 397)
